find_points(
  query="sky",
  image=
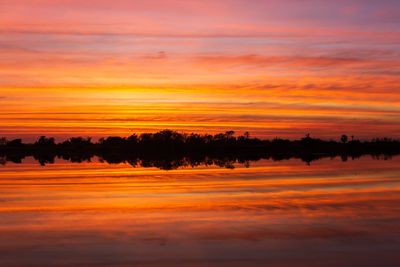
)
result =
(274, 67)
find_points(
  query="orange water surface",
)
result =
(285, 213)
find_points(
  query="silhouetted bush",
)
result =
(169, 149)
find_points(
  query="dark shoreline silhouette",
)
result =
(170, 150)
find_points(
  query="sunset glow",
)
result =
(72, 214)
(273, 68)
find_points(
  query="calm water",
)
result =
(285, 213)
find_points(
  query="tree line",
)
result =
(186, 148)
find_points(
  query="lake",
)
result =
(266, 213)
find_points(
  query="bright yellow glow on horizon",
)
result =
(213, 68)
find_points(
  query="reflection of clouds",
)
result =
(291, 232)
(278, 211)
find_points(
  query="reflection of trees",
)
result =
(171, 150)
(183, 161)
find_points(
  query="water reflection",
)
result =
(166, 162)
(276, 213)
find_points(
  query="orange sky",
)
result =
(274, 68)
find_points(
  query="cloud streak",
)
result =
(272, 67)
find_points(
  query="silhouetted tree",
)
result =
(229, 134)
(307, 139)
(15, 142)
(78, 141)
(43, 141)
(169, 149)
(3, 141)
(114, 141)
(133, 139)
